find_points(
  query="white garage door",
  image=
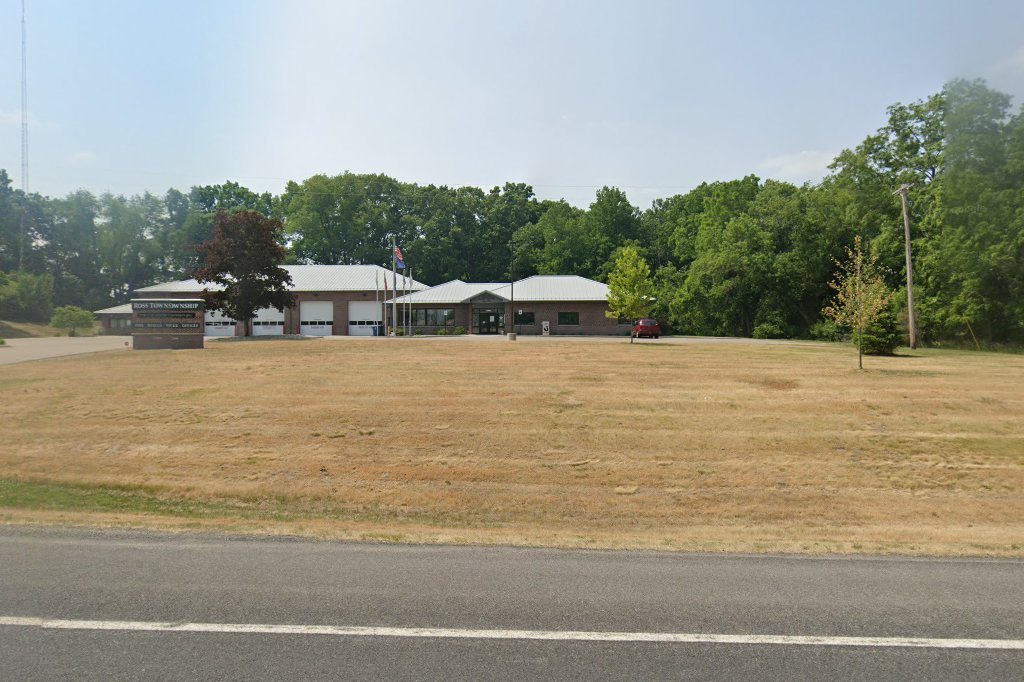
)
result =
(268, 322)
(218, 325)
(363, 316)
(316, 318)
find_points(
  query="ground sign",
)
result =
(167, 323)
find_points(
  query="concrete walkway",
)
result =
(23, 350)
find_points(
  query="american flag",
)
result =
(399, 259)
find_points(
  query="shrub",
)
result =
(417, 332)
(2, 342)
(826, 330)
(882, 336)
(768, 330)
(442, 332)
(459, 331)
(71, 318)
(399, 332)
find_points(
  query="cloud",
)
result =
(81, 157)
(1012, 64)
(805, 166)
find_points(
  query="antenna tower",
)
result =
(24, 104)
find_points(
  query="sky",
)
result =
(568, 96)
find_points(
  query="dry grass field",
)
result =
(24, 330)
(671, 444)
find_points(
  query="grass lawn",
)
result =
(25, 330)
(672, 444)
(33, 330)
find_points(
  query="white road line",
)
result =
(550, 635)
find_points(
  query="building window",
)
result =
(567, 319)
(524, 318)
(432, 317)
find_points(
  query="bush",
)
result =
(459, 331)
(71, 318)
(417, 332)
(826, 330)
(768, 330)
(442, 332)
(399, 332)
(26, 297)
(882, 337)
(2, 342)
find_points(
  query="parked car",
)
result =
(647, 327)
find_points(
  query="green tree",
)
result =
(243, 257)
(630, 287)
(506, 210)
(348, 218)
(189, 219)
(72, 252)
(861, 294)
(971, 263)
(26, 296)
(72, 318)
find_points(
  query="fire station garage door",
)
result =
(316, 318)
(218, 325)
(268, 322)
(363, 316)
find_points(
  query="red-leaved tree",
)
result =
(243, 258)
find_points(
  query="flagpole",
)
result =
(376, 299)
(394, 288)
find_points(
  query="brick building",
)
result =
(340, 300)
(552, 304)
(331, 300)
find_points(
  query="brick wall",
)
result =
(592, 319)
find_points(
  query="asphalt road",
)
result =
(157, 606)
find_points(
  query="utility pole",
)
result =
(902, 191)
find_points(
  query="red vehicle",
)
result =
(647, 327)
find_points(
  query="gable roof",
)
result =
(306, 278)
(123, 309)
(555, 288)
(455, 291)
(536, 288)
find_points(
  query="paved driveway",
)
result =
(23, 350)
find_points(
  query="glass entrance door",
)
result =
(489, 322)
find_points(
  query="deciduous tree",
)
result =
(72, 318)
(630, 287)
(861, 294)
(243, 257)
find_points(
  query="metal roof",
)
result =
(307, 278)
(125, 309)
(455, 291)
(536, 288)
(555, 288)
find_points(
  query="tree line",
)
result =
(744, 257)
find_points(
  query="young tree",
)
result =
(71, 318)
(243, 257)
(630, 287)
(861, 294)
